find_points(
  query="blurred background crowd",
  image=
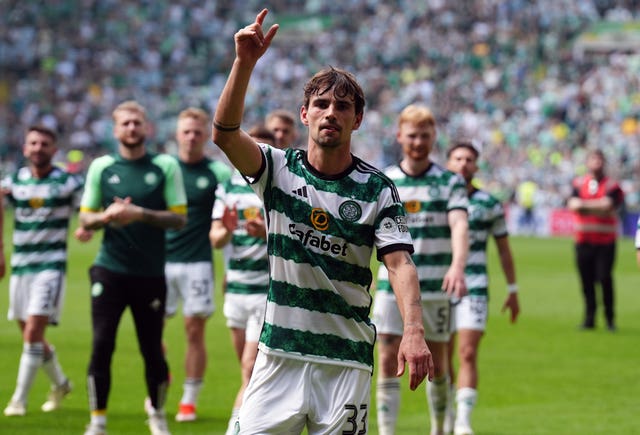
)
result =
(535, 83)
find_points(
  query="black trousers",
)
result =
(111, 293)
(595, 265)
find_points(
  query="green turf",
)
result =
(540, 376)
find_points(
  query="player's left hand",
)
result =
(122, 212)
(513, 305)
(256, 228)
(454, 283)
(415, 353)
(83, 235)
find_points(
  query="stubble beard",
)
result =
(131, 144)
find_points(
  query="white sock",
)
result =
(232, 421)
(30, 362)
(437, 392)
(466, 399)
(451, 410)
(387, 404)
(52, 368)
(99, 418)
(191, 391)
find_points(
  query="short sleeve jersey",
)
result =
(427, 200)
(321, 235)
(43, 207)
(486, 219)
(247, 263)
(153, 182)
(191, 243)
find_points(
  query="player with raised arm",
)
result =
(325, 211)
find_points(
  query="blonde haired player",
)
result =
(435, 201)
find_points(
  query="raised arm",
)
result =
(241, 149)
(413, 351)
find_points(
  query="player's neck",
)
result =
(329, 161)
(42, 172)
(415, 167)
(132, 153)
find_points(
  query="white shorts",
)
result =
(193, 283)
(37, 294)
(436, 315)
(471, 312)
(284, 394)
(245, 311)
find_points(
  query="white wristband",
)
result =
(512, 288)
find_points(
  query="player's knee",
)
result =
(388, 356)
(468, 354)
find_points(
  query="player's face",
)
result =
(130, 128)
(330, 119)
(462, 161)
(191, 135)
(39, 149)
(284, 132)
(416, 140)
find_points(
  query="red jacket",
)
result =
(597, 229)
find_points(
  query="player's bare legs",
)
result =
(246, 351)
(466, 395)
(195, 364)
(37, 352)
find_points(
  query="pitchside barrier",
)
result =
(556, 222)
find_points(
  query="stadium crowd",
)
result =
(504, 72)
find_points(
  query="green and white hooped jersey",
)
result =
(321, 234)
(247, 265)
(486, 218)
(191, 243)
(43, 208)
(153, 182)
(427, 199)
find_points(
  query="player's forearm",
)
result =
(459, 243)
(506, 262)
(164, 219)
(91, 220)
(403, 278)
(230, 108)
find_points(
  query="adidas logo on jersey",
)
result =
(114, 179)
(302, 191)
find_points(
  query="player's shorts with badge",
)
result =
(435, 316)
(470, 312)
(193, 284)
(36, 294)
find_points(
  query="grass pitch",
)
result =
(539, 376)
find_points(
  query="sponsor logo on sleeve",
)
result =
(391, 225)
